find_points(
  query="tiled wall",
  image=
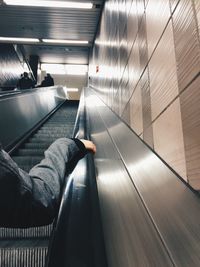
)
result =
(145, 65)
(10, 67)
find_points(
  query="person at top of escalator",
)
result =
(25, 82)
(32, 199)
(48, 81)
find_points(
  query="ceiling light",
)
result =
(15, 39)
(64, 69)
(56, 41)
(46, 3)
(53, 68)
(76, 69)
(72, 89)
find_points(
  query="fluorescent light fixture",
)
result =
(56, 41)
(54, 68)
(76, 69)
(15, 39)
(46, 3)
(72, 89)
(65, 69)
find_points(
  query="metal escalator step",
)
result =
(43, 146)
(23, 257)
(30, 161)
(42, 140)
(30, 152)
(61, 130)
(33, 232)
(47, 135)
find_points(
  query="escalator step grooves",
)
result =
(32, 243)
(25, 257)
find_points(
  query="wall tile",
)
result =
(157, 16)
(128, 6)
(186, 43)
(190, 108)
(134, 66)
(136, 122)
(140, 10)
(146, 108)
(146, 100)
(125, 93)
(145, 3)
(197, 8)
(148, 136)
(168, 138)
(142, 37)
(132, 25)
(162, 73)
(173, 4)
(126, 114)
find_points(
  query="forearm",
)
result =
(32, 199)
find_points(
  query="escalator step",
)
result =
(30, 152)
(30, 161)
(43, 146)
(34, 232)
(23, 257)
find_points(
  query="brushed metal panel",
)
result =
(140, 10)
(190, 111)
(166, 128)
(148, 136)
(130, 238)
(162, 73)
(143, 50)
(10, 67)
(134, 66)
(187, 44)
(175, 209)
(123, 213)
(173, 4)
(136, 120)
(157, 16)
(146, 108)
(132, 25)
(19, 113)
(197, 8)
(126, 113)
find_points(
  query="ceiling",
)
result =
(52, 23)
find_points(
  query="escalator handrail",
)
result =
(64, 248)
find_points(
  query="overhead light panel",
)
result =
(57, 41)
(64, 69)
(54, 68)
(46, 3)
(71, 89)
(23, 40)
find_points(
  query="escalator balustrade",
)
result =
(28, 247)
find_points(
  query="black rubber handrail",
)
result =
(77, 239)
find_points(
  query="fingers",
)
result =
(89, 145)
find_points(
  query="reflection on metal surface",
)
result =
(170, 210)
(19, 113)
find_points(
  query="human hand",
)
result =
(89, 145)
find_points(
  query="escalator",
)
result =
(124, 207)
(28, 247)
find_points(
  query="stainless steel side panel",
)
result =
(130, 237)
(19, 113)
(172, 207)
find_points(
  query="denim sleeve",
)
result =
(32, 199)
